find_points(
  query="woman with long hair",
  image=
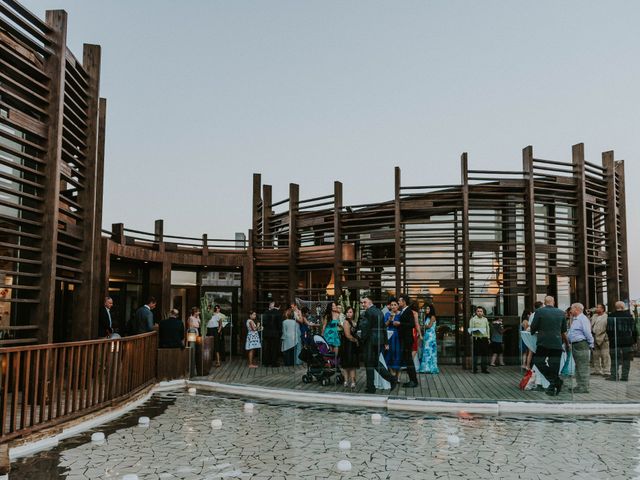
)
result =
(330, 323)
(392, 357)
(349, 349)
(429, 362)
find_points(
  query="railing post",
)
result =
(158, 234)
(117, 233)
(205, 245)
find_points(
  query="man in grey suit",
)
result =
(373, 337)
(550, 323)
(143, 318)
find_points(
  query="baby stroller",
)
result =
(321, 362)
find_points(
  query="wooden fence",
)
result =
(44, 385)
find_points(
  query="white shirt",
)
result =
(215, 320)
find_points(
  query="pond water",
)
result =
(279, 441)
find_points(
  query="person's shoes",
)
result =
(551, 391)
(596, 373)
(410, 385)
(502, 364)
(611, 378)
(353, 384)
(346, 384)
(492, 365)
(624, 379)
(580, 390)
(485, 371)
(368, 390)
(394, 383)
(539, 388)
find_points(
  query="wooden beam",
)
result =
(582, 261)
(267, 199)
(613, 272)
(83, 325)
(54, 67)
(466, 259)
(255, 207)
(529, 227)
(294, 198)
(398, 231)
(622, 234)
(337, 238)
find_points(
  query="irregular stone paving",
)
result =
(285, 442)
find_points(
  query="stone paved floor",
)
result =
(453, 383)
(288, 442)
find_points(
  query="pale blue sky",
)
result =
(204, 93)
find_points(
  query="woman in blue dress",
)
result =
(392, 356)
(429, 361)
(330, 324)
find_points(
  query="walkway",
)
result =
(453, 383)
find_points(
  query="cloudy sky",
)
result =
(204, 93)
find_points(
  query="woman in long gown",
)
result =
(349, 349)
(429, 362)
(392, 356)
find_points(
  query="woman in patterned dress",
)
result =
(429, 362)
(253, 338)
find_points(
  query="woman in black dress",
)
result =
(349, 349)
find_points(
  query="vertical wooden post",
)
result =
(582, 259)
(158, 234)
(267, 200)
(248, 280)
(255, 208)
(205, 246)
(622, 234)
(54, 67)
(398, 231)
(466, 251)
(117, 229)
(100, 252)
(165, 301)
(294, 198)
(531, 282)
(613, 271)
(337, 238)
(83, 325)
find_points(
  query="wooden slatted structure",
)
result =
(51, 132)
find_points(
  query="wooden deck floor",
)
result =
(452, 383)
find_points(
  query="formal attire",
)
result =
(215, 329)
(550, 324)
(143, 320)
(171, 333)
(253, 337)
(331, 334)
(581, 341)
(373, 337)
(429, 360)
(622, 333)
(392, 357)
(105, 323)
(406, 343)
(601, 359)
(479, 327)
(289, 340)
(271, 335)
(348, 352)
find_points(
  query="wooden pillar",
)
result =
(54, 67)
(84, 325)
(267, 200)
(531, 282)
(100, 288)
(466, 253)
(613, 271)
(158, 234)
(398, 232)
(248, 280)
(117, 230)
(622, 234)
(165, 300)
(294, 198)
(255, 207)
(582, 260)
(337, 238)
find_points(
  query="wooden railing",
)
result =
(43, 385)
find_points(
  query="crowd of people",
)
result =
(398, 338)
(601, 345)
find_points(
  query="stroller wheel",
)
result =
(324, 382)
(339, 379)
(306, 378)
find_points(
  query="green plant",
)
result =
(205, 316)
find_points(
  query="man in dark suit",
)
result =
(405, 331)
(143, 318)
(271, 335)
(621, 330)
(550, 323)
(171, 331)
(105, 320)
(373, 337)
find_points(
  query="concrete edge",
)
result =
(29, 448)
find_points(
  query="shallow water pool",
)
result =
(280, 441)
